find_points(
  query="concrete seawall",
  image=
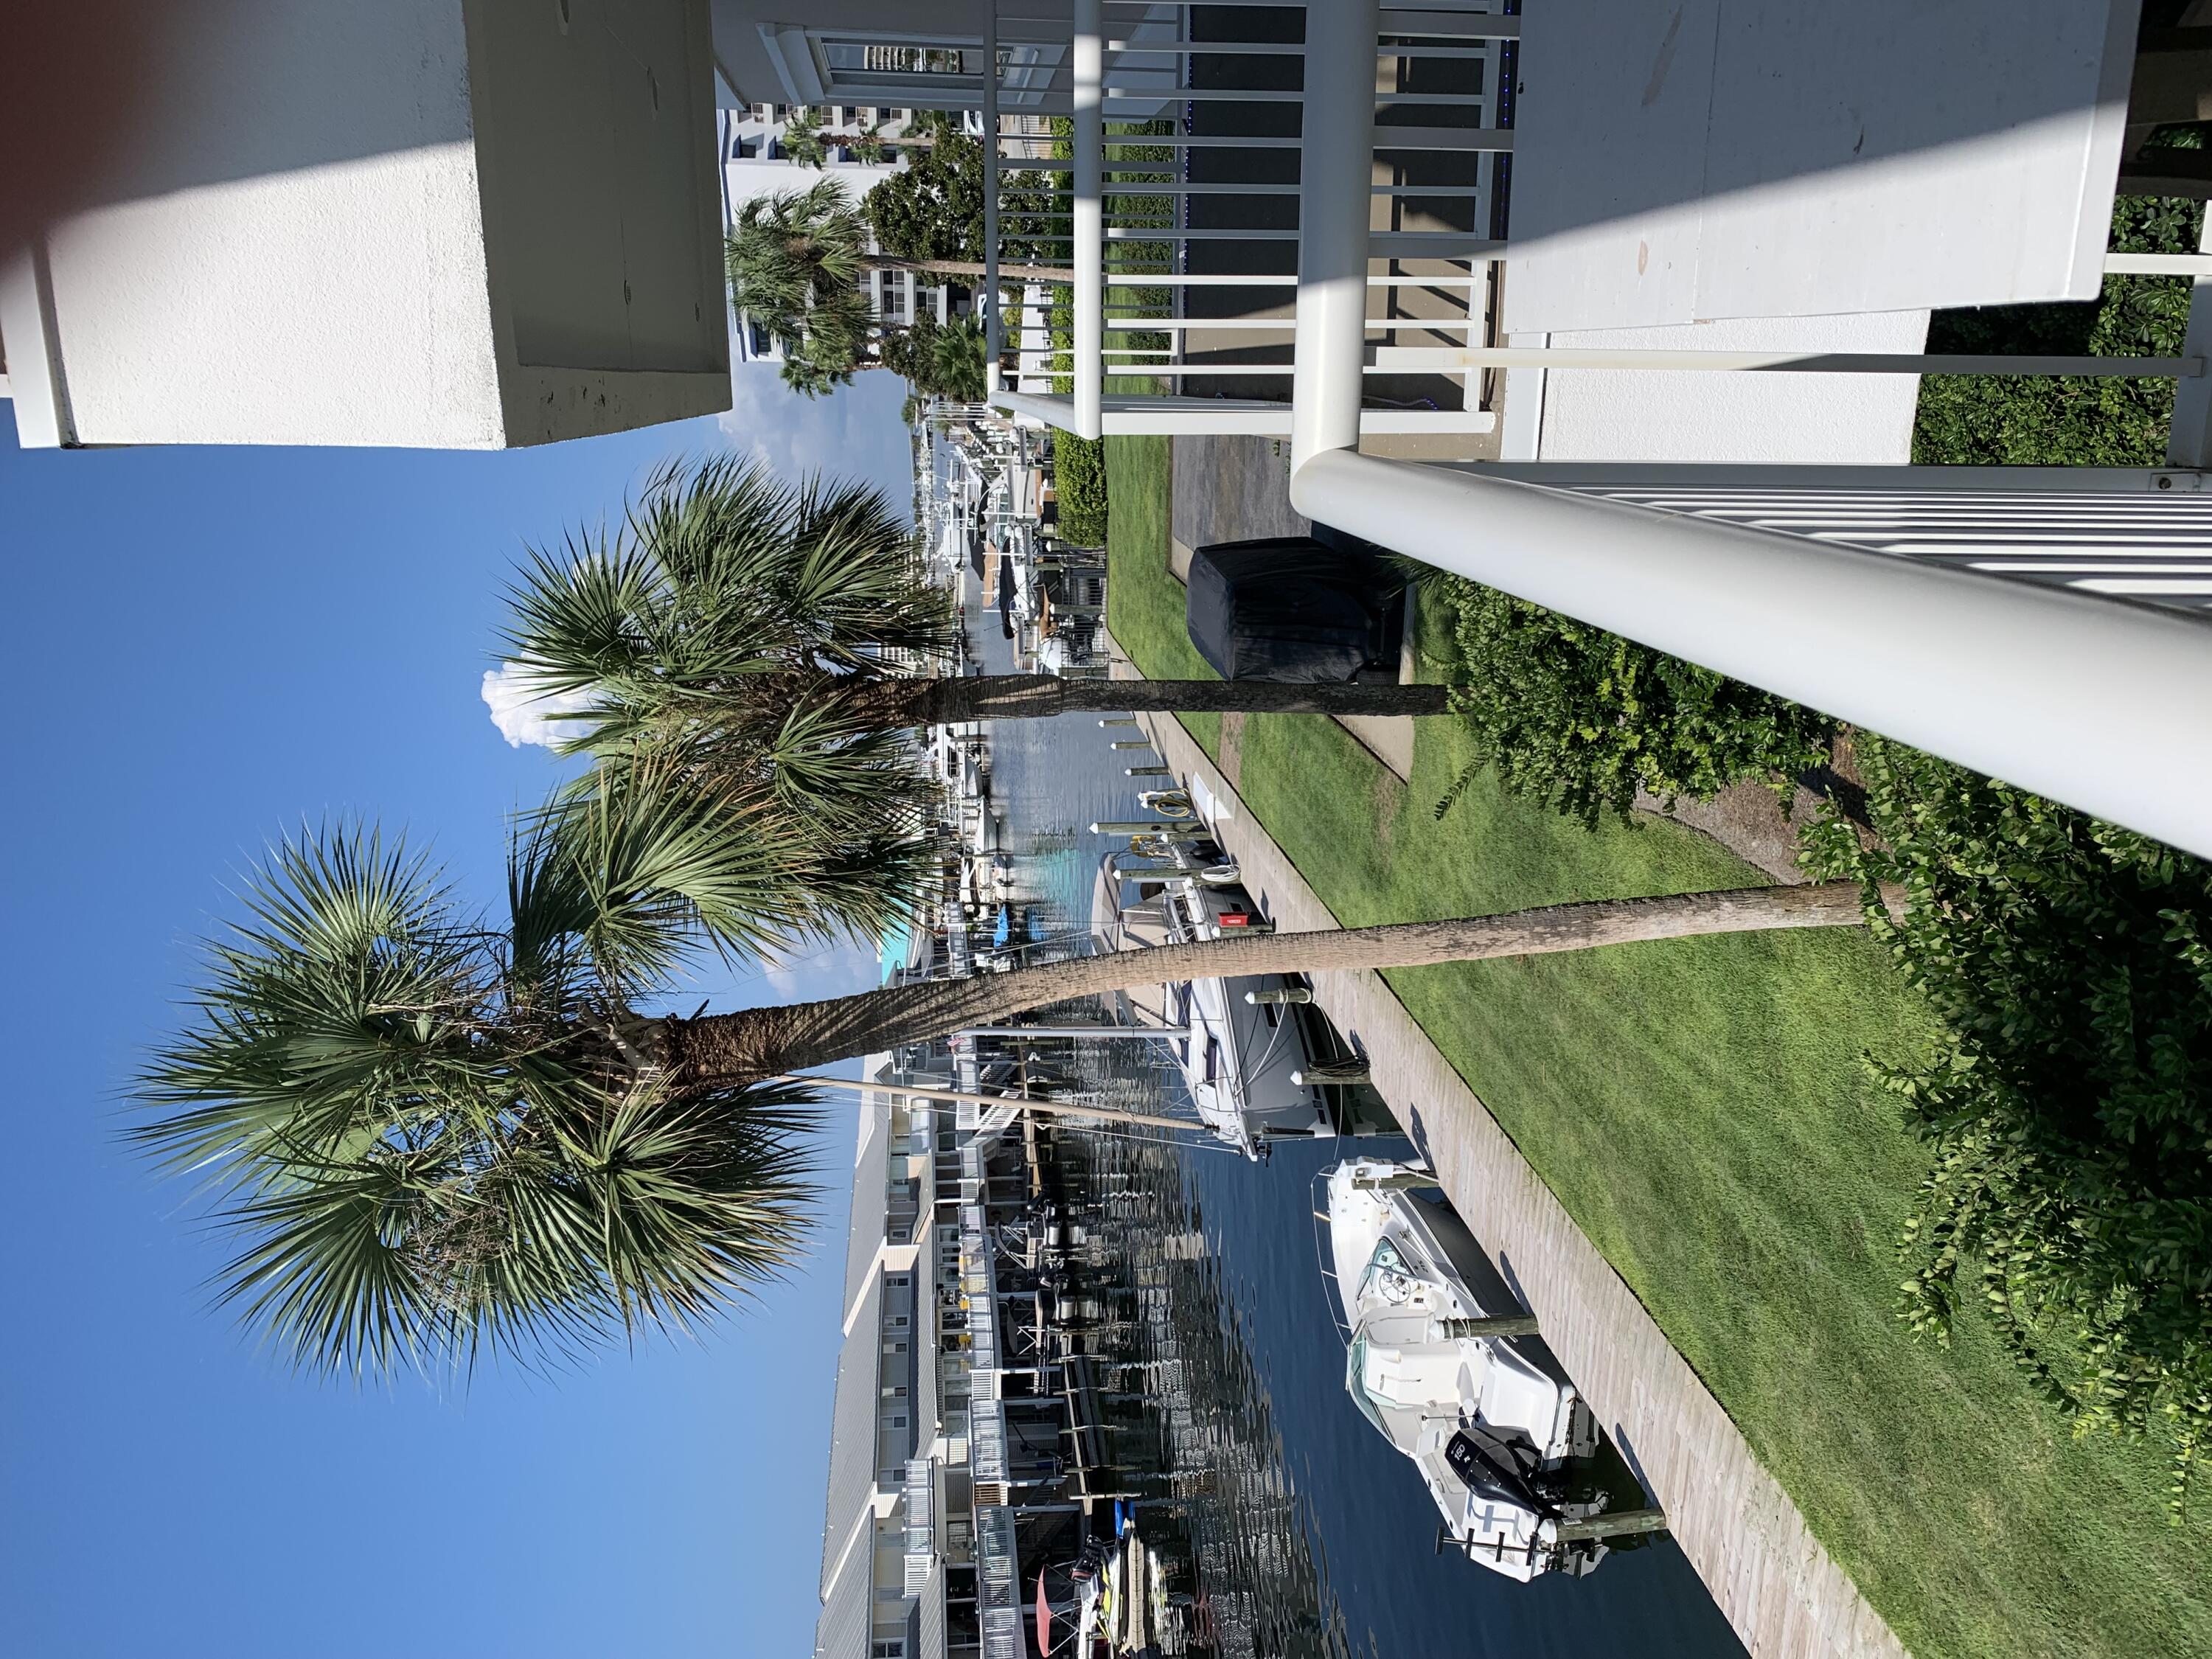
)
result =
(1775, 1584)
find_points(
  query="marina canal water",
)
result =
(1315, 1537)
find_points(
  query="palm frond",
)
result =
(429, 1135)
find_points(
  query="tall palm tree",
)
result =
(743, 619)
(437, 1134)
(956, 361)
(713, 616)
(803, 141)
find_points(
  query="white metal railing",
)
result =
(920, 1523)
(1105, 70)
(997, 1585)
(2046, 627)
(1863, 599)
(1128, 237)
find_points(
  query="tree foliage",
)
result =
(1991, 420)
(931, 209)
(803, 143)
(797, 261)
(1581, 718)
(719, 629)
(2070, 1109)
(422, 1122)
(939, 360)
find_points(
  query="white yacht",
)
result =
(1247, 1056)
(1489, 1420)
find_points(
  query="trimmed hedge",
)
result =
(1079, 475)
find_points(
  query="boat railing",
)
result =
(1324, 1253)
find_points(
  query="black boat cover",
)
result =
(1289, 608)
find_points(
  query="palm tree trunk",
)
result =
(1037, 696)
(761, 1042)
(971, 268)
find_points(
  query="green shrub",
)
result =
(1080, 486)
(2070, 1110)
(2066, 420)
(1581, 718)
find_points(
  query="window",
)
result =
(1212, 1059)
(893, 1649)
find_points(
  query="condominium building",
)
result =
(934, 1485)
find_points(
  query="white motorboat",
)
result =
(1246, 1054)
(1488, 1418)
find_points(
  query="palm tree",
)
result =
(956, 361)
(869, 145)
(797, 262)
(439, 1135)
(740, 622)
(803, 141)
(725, 577)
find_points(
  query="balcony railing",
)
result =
(2046, 627)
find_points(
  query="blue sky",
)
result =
(206, 647)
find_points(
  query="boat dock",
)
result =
(1777, 1587)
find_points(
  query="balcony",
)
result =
(1319, 241)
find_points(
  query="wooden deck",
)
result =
(1771, 1579)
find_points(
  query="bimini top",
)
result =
(1288, 607)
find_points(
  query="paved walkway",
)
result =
(1772, 1581)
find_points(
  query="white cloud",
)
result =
(853, 433)
(523, 708)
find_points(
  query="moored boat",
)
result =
(1245, 1043)
(1446, 1365)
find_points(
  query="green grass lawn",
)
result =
(1699, 1107)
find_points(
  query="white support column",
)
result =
(2189, 439)
(2089, 700)
(1087, 66)
(1335, 174)
(994, 336)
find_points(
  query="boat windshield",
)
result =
(1355, 1383)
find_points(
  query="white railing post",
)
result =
(1335, 176)
(2189, 438)
(994, 333)
(1088, 69)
